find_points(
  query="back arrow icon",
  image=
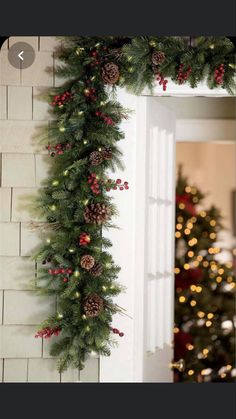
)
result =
(20, 55)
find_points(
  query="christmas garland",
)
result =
(82, 141)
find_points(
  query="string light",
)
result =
(181, 206)
(208, 323)
(53, 207)
(201, 314)
(76, 274)
(77, 294)
(60, 316)
(195, 199)
(190, 225)
(176, 330)
(218, 279)
(206, 371)
(205, 351)
(84, 317)
(213, 223)
(176, 270)
(187, 231)
(179, 226)
(190, 372)
(193, 287)
(182, 299)
(196, 263)
(192, 242)
(62, 129)
(186, 266)
(66, 172)
(85, 142)
(177, 234)
(229, 265)
(199, 258)
(229, 279)
(210, 315)
(104, 288)
(221, 271)
(189, 346)
(48, 240)
(193, 219)
(190, 253)
(180, 219)
(203, 214)
(193, 303)
(71, 250)
(55, 182)
(205, 263)
(80, 113)
(198, 289)
(188, 189)
(212, 236)
(193, 190)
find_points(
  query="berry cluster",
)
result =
(60, 100)
(47, 332)
(96, 59)
(162, 80)
(63, 272)
(219, 74)
(84, 239)
(90, 94)
(117, 332)
(58, 149)
(107, 119)
(182, 75)
(117, 185)
(92, 179)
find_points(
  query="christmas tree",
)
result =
(204, 292)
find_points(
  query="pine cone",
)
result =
(110, 73)
(93, 305)
(96, 213)
(158, 57)
(107, 153)
(97, 269)
(96, 158)
(87, 262)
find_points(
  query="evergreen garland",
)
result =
(83, 142)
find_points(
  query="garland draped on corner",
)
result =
(82, 140)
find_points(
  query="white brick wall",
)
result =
(24, 165)
(15, 370)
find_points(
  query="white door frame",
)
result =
(125, 363)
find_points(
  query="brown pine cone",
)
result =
(93, 305)
(96, 158)
(158, 57)
(97, 213)
(97, 269)
(107, 153)
(87, 262)
(110, 73)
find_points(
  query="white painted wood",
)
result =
(206, 130)
(184, 90)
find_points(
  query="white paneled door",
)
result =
(155, 240)
(145, 246)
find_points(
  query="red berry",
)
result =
(97, 113)
(118, 181)
(56, 271)
(115, 331)
(69, 271)
(121, 334)
(121, 188)
(126, 187)
(65, 279)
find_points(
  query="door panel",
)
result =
(158, 195)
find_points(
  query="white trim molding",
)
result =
(202, 130)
